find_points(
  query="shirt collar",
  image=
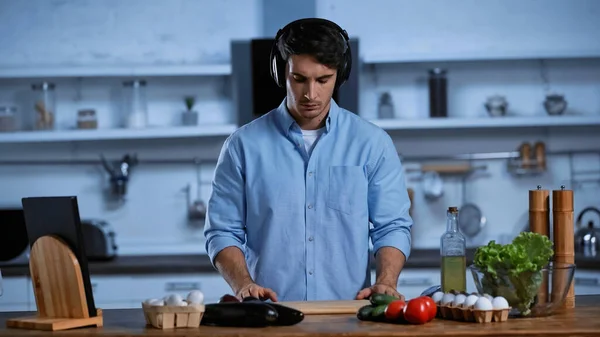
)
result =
(286, 121)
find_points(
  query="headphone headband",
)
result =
(278, 63)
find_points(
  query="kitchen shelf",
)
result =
(487, 123)
(116, 71)
(117, 134)
(474, 56)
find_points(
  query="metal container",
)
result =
(438, 93)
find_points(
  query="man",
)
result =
(294, 191)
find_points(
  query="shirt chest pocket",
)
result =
(347, 190)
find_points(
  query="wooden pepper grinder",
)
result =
(539, 222)
(564, 241)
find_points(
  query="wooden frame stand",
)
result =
(58, 288)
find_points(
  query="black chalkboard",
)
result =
(59, 216)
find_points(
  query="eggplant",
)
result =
(228, 298)
(286, 315)
(239, 314)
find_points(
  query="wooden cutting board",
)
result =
(326, 307)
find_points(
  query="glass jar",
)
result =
(44, 106)
(8, 118)
(86, 119)
(135, 109)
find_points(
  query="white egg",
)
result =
(483, 304)
(437, 297)
(447, 299)
(182, 304)
(195, 297)
(470, 301)
(173, 299)
(458, 300)
(500, 302)
(148, 301)
(157, 302)
(489, 297)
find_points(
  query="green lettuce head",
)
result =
(514, 270)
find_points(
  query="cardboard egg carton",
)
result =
(173, 316)
(469, 314)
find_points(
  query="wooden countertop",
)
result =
(582, 321)
(200, 263)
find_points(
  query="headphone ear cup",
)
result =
(280, 71)
(344, 73)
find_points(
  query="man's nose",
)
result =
(310, 90)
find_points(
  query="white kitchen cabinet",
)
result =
(15, 294)
(128, 291)
(412, 282)
(212, 285)
(587, 282)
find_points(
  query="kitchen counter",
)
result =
(200, 263)
(584, 320)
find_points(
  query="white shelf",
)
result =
(116, 71)
(487, 123)
(117, 134)
(483, 56)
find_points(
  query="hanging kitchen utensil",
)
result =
(433, 186)
(197, 207)
(470, 218)
(119, 174)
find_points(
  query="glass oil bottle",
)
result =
(453, 251)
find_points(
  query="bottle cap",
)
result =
(453, 209)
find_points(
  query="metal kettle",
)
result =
(587, 239)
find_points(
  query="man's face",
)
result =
(309, 86)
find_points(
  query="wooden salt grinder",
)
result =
(539, 222)
(58, 288)
(564, 241)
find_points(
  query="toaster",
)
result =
(99, 240)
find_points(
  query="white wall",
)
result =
(153, 218)
(67, 32)
(405, 28)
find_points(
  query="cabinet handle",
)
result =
(182, 286)
(415, 282)
(586, 281)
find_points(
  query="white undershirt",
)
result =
(310, 138)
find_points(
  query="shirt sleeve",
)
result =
(224, 225)
(389, 203)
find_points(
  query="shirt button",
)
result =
(310, 238)
(310, 272)
(310, 206)
(310, 174)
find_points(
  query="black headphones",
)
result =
(278, 63)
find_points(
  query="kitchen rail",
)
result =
(196, 160)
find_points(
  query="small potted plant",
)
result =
(190, 117)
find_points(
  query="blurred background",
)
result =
(126, 104)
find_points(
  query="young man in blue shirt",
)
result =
(298, 192)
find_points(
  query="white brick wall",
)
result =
(65, 32)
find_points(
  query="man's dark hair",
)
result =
(322, 41)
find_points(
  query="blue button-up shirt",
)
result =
(304, 222)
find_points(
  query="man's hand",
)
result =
(254, 290)
(378, 289)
